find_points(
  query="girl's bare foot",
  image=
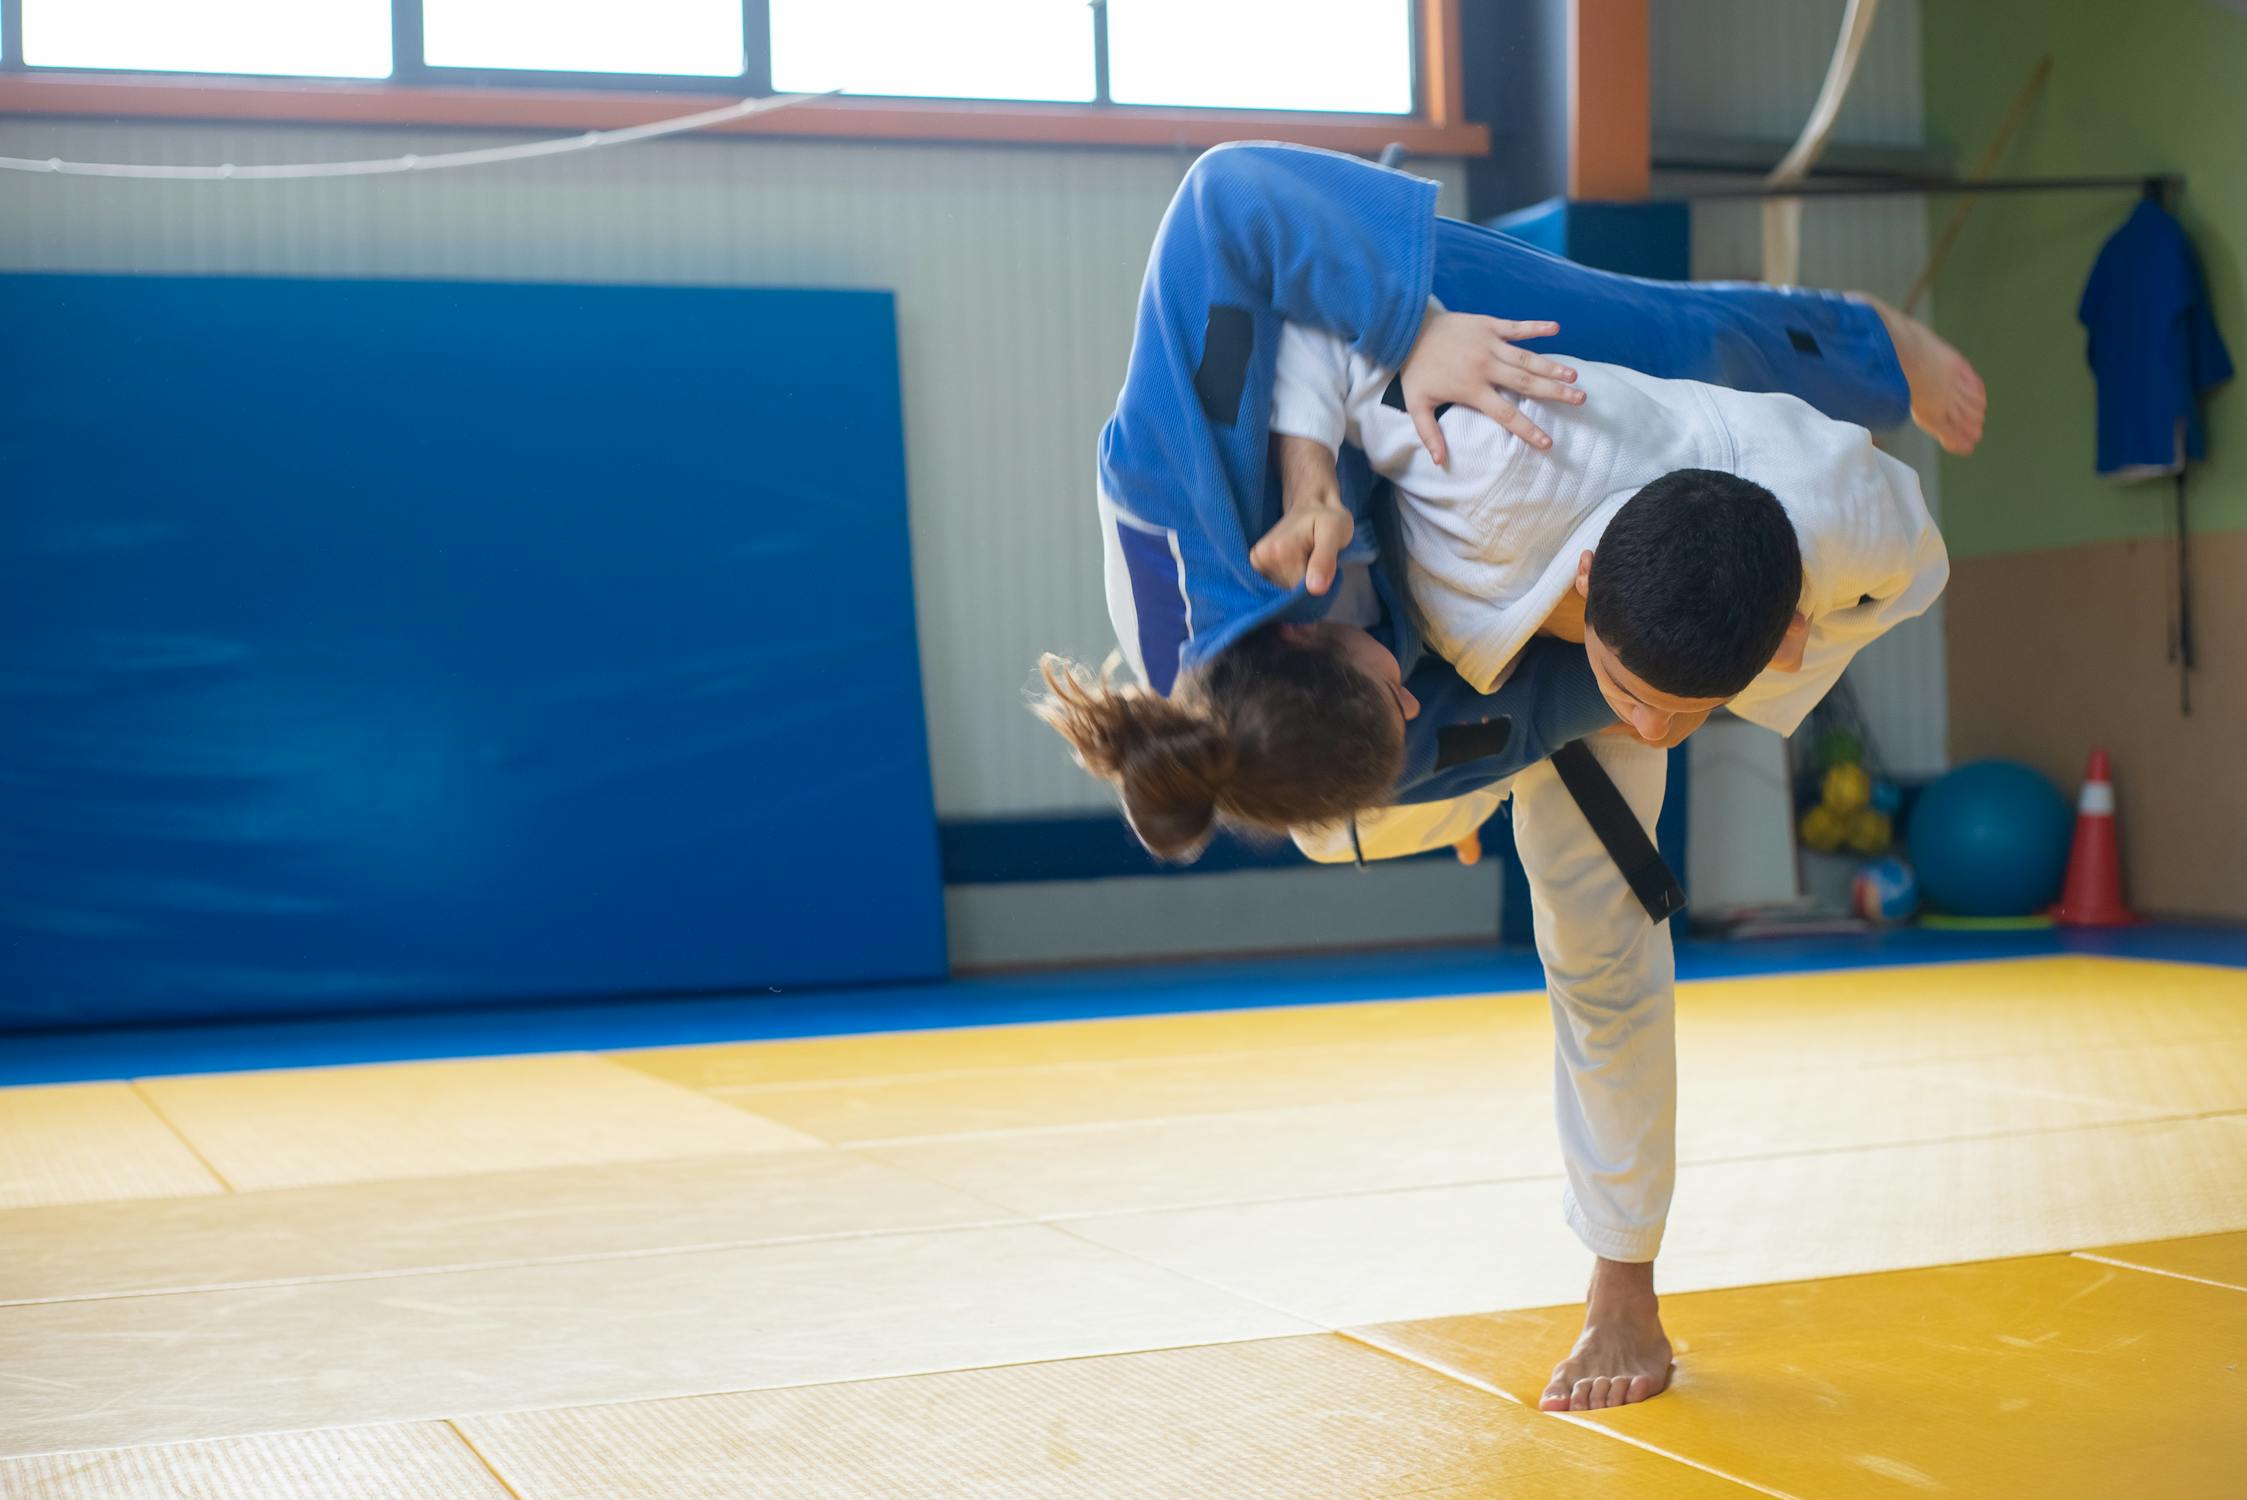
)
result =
(1622, 1356)
(1948, 398)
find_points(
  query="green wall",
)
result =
(2154, 85)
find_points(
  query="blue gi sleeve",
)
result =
(1258, 236)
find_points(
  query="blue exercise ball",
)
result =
(1990, 839)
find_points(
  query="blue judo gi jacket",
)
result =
(1257, 237)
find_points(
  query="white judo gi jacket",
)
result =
(1492, 545)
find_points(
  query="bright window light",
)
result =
(1347, 55)
(957, 49)
(321, 38)
(696, 37)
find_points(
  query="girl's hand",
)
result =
(1465, 359)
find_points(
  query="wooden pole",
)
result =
(1782, 217)
(2014, 115)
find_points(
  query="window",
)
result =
(1262, 54)
(699, 38)
(990, 49)
(331, 38)
(1349, 56)
(1353, 75)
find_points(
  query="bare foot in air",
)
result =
(1948, 398)
(1623, 1356)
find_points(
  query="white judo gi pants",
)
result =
(1609, 972)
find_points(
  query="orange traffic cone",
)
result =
(2093, 895)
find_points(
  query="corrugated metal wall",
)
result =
(1015, 270)
(1750, 69)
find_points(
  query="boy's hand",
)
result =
(1306, 546)
(1468, 360)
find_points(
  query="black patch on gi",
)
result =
(1226, 345)
(1456, 744)
(1394, 397)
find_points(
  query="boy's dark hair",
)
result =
(1695, 581)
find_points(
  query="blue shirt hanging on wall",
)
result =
(2154, 348)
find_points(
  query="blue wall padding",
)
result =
(1101, 846)
(1636, 239)
(375, 643)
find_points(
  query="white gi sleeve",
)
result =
(1875, 590)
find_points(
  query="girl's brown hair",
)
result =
(1278, 731)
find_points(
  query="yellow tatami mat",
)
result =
(444, 1223)
(1957, 1012)
(290, 1128)
(1372, 1257)
(393, 1349)
(1240, 1156)
(1481, 1020)
(2206, 1076)
(2220, 1259)
(423, 1461)
(1300, 1418)
(2054, 1377)
(1975, 1229)
(895, 1108)
(88, 1142)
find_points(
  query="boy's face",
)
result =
(1650, 714)
(1645, 710)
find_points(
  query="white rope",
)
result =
(591, 140)
(1782, 217)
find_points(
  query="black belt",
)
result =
(1619, 830)
(1602, 802)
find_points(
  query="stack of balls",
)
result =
(1854, 811)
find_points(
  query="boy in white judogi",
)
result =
(1499, 545)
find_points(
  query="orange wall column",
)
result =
(1610, 119)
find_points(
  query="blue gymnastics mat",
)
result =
(386, 643)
